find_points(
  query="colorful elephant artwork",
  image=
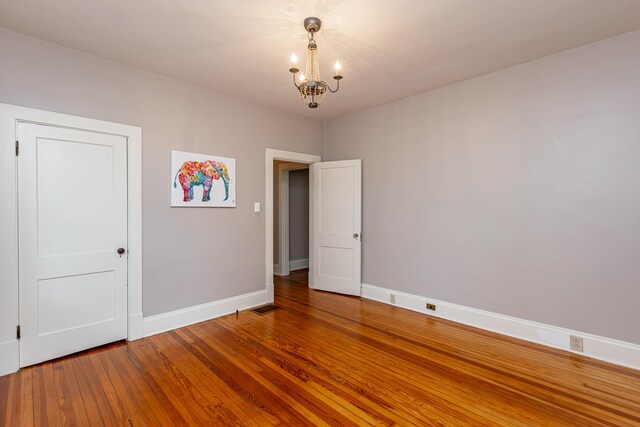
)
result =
(193, 173)
(201, 173)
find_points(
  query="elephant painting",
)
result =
(201, 173)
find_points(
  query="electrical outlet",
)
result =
(575, 342)
(431, 307)
(392, 298)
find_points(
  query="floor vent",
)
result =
(265, 309)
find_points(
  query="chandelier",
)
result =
(312, 89)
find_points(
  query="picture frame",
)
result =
(202, 180)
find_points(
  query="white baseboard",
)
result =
(9, 362)
(298, 264)
(602, 348)
(199, 313)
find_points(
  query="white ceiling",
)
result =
(389, 49)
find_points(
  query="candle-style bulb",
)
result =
(302, 77)
(293, 66)
(338, 66)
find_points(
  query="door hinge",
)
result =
(17, 148)
(18, 332)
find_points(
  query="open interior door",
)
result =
(336, 219)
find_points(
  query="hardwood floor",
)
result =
(324, 359)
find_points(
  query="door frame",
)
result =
(283, 267)
(287, 156)
(10, 115)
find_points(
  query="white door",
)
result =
(337, 206)
(72, 202)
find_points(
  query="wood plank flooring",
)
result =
(324, 359)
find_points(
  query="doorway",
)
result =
(72, 224)
(335, 206)
(284, 157)
(291, 217)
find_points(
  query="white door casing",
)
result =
(336, 226)
(72, 204)
(10, 117)
(289, 156)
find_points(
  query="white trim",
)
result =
(276, 269)
(270, 156)
(199, 313)
(298, 264)
(9, 116)
(283, 222)
(136, 327)
(8, 357)
(602, 348)
(134, 238)
(270, 291)
(283, 213)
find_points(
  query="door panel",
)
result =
(91, 295)
(336, 190)
(336, 262)
(66, 171)
(336, 249)
(72, 202)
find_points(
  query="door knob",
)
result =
(121, 251)
(355, 236)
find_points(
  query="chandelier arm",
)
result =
(331, 90)
(294, 81)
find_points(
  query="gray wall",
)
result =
(226, 247)
(299, 214)
(517, 192)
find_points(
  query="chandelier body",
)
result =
(312, 88)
